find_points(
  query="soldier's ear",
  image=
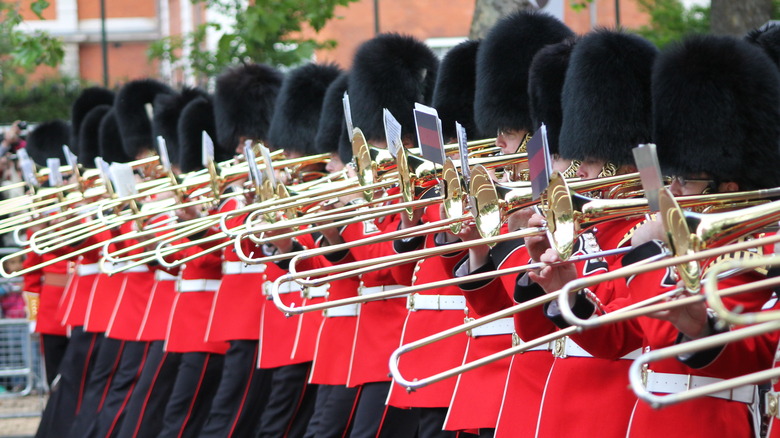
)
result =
(729, 186)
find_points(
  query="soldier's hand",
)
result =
(537, 245)
(553, 277)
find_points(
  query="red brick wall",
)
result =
(127, 61)
(630, 16)
(422, 19)
(117, 8)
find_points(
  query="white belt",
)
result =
(435, 302)
(345, 310)
(565, 347)
(197, 285)
(667, 383)
(90, 269)
(137, 268)
(503, 326)
(164, 276)
(316, 291)
(284, 288)
(231, 268)
(363, 290)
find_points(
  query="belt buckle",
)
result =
(559, 348)
(516, 340)
(267, 288)
(772, 404)
(645, 374)
(466, 320)
(305, 292)
(410, 302)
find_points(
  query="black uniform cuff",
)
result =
(461, 269)
(285, 264)
(527, 290)
(582, 307)
(642, 252)
(700, 359)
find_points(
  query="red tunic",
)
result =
(154, 323)
(133, 299)
(190, 313)
(238, 304)
(76, 299)
(50, 292)
(420, 323)
(380, 323)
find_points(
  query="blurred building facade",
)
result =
(131, 26)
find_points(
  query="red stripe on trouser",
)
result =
(297, 406)
(246, 392)
(111, 375)
(352, 412)
(149, 395)
(129, 392)
(84, 371)
(195, 395)
(382, 422)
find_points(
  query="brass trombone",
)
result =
(618, 315)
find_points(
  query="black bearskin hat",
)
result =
(111, 140)
(717, 110)
(453, 96)
(390, 71)
(131, 115)
(545, 85)
(89, 137)
(167, 108)
(196, 117)
(501, 99)
(332, 117)
(298, 108)
(244, 103)
(88, 99)
(768, 38)
(46, 140)
(607, 110)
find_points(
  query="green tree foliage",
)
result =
(47, 99)
(263, 31)
(671, 21)
(26, 50)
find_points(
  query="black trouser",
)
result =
(432, 422)
(374, 418)
(291, 403)
(333, 412)
(242, 395)
(98, 382)
(145, 409)
(53, 348)
(68, 390)
(122, 385)
(188, 406)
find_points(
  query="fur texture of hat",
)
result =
(244, 103)
(717, 110)
(134, 122)
(298, 108)
(196, 117)
(167, 108)
(607, 109)
(110, 140)
(390, 71)
(332, 117)
(503, 60)
(545, 86)
(453, 96)
(88, 99)
(768, 38)
(46, 140)
(89, 137)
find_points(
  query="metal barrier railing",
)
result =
(20, 370)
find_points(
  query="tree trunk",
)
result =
(729, 17)
(487, 12)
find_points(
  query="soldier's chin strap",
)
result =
(609, 169)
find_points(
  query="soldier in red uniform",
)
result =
(244, 103)
(699, 80)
